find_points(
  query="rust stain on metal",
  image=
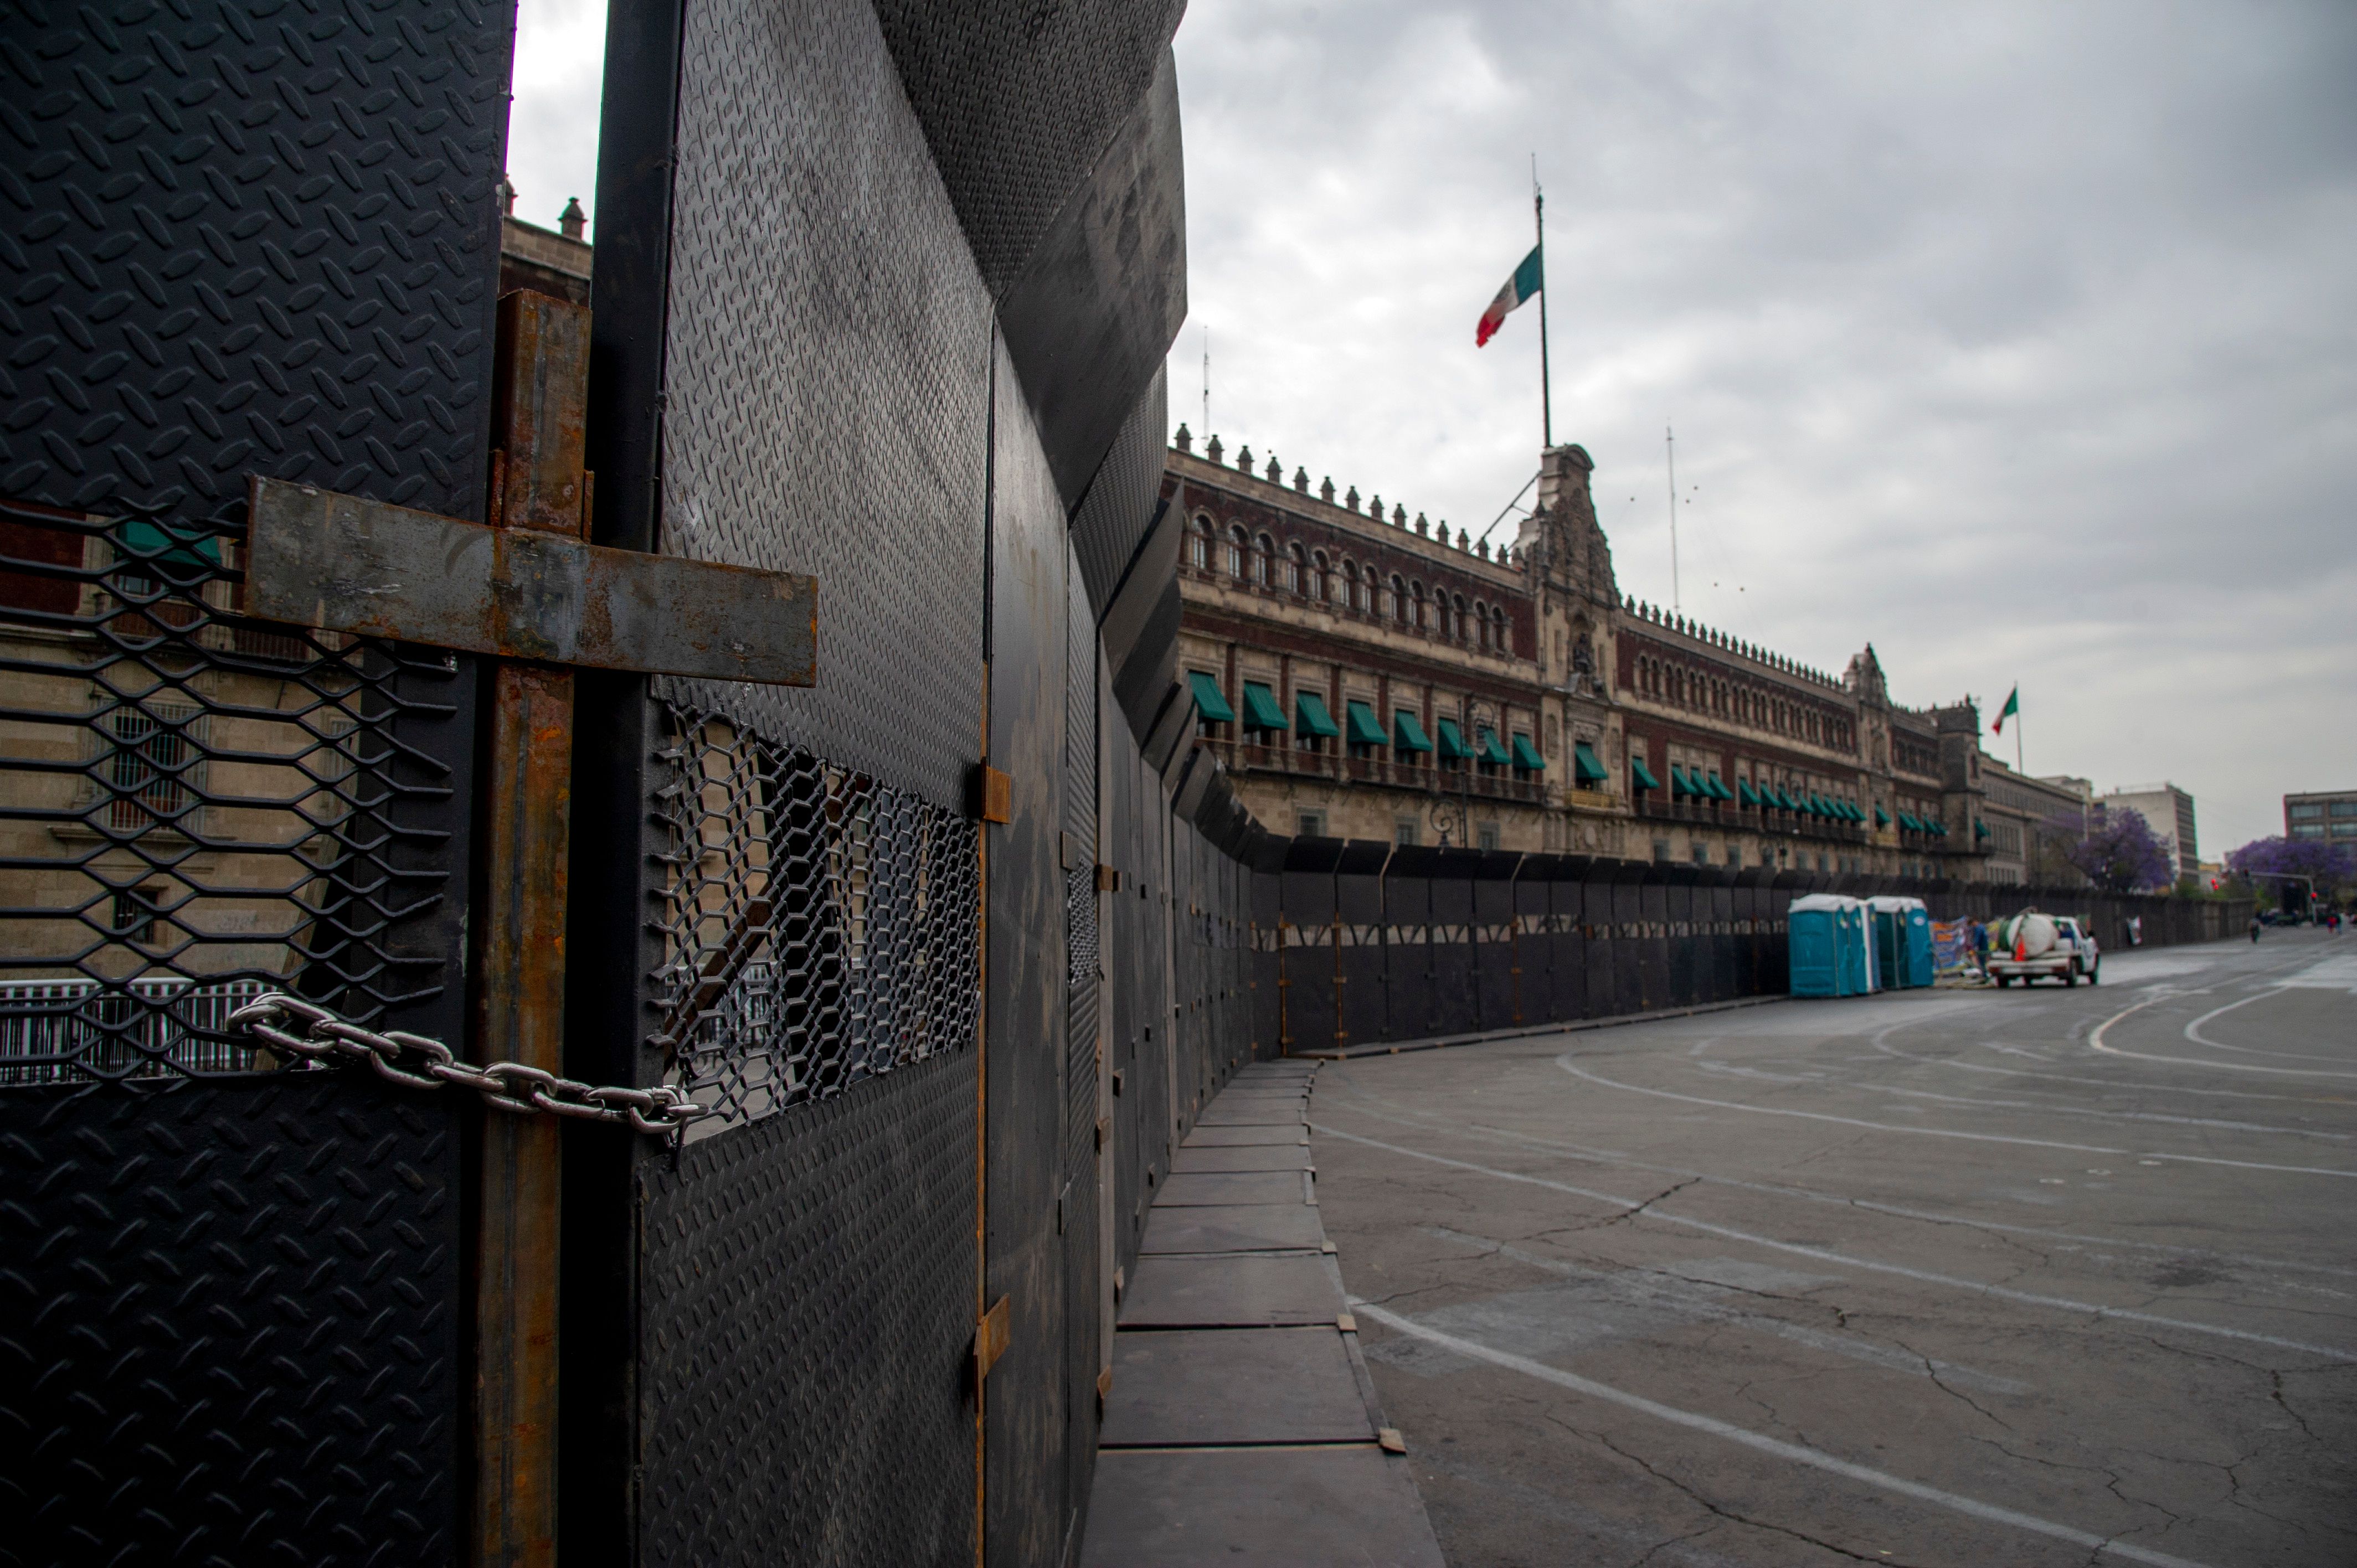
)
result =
(346, 563)
(541, 380)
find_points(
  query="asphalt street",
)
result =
(2038, 1277)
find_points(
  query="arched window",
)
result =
(1459, 630)
(1296, 571)
(1237, 548)
(1415, 594)
(1203, 546)
(1351, 584)
(1399, 599)
(1321, 584)
(1263, 547)
(1481, 624)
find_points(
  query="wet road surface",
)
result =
(2054, 1276)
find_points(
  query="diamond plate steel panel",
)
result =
(828, 382)
(807, 1290)
(1018, 101)
(248, 238)
(1111, 519)
(231, 1334)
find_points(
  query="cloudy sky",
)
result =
(2019, 340)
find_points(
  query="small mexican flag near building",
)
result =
(2012, 709)
(1520, 290)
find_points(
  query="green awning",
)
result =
(1939, 830)
(1261, 709)
(1645, 780)
(1584, 769)
(1208, 703)
(173, 545)
(1406, 733)
(1980, 829)
(1525, 758)
(1745, 792)
(1310, 718)
(1911, 821)
(1787, 802)
(1717, 789)
(1491, 752)
(1452, 741)
(1819, 806)
(1364, 728)
(1881, 817)
(1849, 808)
(1679, 786)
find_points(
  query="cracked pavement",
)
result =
(2055, 1277)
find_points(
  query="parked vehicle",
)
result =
(2032, 945)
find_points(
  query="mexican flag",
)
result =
(1520, 290)
(2012, 707)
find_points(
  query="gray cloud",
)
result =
(2021, 340)
(2017, 340)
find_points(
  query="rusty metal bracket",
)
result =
(993, 1334)
(993, 795)
(344, 564)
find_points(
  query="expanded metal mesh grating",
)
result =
(196, 805)
(819, 928)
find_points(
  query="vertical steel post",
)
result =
(539, 402)
(1335, 930)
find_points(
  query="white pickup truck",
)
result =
(2031, 945)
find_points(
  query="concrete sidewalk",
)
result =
(1242, 1427)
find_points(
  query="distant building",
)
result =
(2168, 811)
(535, 258)
(1360, 675)
(2331, 815)
(2032, 822)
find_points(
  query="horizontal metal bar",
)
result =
(342, 563)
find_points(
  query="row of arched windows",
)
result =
(1669, 682)
(1311, 574)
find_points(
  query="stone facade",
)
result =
(1614, 728)
(2030, 822)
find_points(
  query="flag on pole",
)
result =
(2012, 708)
(1520, 290)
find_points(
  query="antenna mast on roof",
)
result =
(1669, 455)
(1207, 381)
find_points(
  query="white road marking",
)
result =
(1825, 1255)
(1563, 1062)
(1615, 1157)
(1696, 1289)
(1694, 1421)
(2193, 1030)
(2336, 973)
(2095, 1042)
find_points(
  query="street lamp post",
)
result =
(1460, 811)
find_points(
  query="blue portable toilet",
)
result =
(1903, 941)
(1856, 951)
(1827, 934)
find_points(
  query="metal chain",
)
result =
(421, 1063)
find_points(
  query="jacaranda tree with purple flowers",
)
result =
(2329, 867)
(2121, 856)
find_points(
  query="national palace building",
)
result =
(1362, 676)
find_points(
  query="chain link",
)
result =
(319, 1036)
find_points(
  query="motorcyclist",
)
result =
(2254, 927)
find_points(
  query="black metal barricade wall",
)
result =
(237, 239)
(1470, 941)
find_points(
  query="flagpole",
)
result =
(2017, 765)
(1546, 387)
